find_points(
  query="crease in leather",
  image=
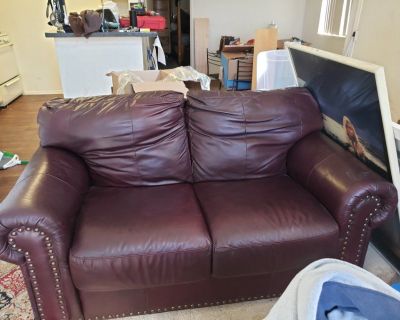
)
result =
(275, 243)
(50, 176)
(150, 287)
(135, 157)
(316, 166)
(294, 266)
(141, 254)
(245, 139)
(207, 223)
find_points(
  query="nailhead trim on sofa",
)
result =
(199, 305)
(363, 232)
(31, 270)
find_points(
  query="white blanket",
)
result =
(300, 299)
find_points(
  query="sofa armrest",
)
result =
(37, 221)
(358, 198)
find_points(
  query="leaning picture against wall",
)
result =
(354, 103)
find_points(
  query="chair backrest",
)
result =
(244, 72)
(275, 70)
(213, 59)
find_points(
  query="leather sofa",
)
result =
(143, 204)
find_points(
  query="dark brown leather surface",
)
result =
(246, 135)
(47, 196)
(345, 186)
(140, 237)
(210, 292)
(265, 225)
(139, 247)
(125, 140)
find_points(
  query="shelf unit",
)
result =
(163, 7)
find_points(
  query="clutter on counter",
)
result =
(85, 23)
(108, 34)
(232, 44)
(104, 19)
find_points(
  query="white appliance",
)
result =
(10, 80)
(275, 70)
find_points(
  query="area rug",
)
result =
(15, 305)
(14, 301)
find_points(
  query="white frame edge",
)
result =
(383, 96)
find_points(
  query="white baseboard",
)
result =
(42, 92)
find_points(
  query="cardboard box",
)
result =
(232, 62)
(229, 61)
(152, 81)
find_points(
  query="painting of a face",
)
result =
(350, 106)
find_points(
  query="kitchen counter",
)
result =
(103, 34)
(85, 62)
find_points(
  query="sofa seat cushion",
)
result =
(130, 238)
(265, 225)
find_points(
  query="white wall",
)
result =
(310, 29)
(242, 18)
(378, 42)
(25, 22)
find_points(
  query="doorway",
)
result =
(180, 33)
(175, 39)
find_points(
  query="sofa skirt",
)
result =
(211, 292)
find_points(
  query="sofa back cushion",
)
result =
(135, 140)
(245, 135)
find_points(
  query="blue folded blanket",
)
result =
(331, 289)
(342, 301)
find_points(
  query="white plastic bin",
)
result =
(275, 70)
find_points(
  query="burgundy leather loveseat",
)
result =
(139, 204)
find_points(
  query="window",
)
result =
(334, 18)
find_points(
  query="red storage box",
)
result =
(124, 22)
(152, 22)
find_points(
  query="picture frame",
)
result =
(354, 101)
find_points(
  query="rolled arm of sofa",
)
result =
(37, 221)
(358, 198)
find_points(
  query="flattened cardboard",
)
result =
(177, 86)
(152, 82)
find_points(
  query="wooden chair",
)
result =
(213, 59)
(244, 72)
